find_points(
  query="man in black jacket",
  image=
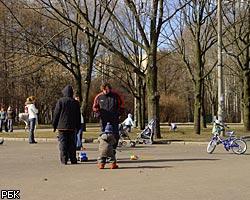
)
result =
(67, 120)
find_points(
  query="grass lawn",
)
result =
(183, 133)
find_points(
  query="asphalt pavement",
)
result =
(169, 171)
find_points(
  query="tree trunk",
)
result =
(246, 100)
(203, 110)
(152, 93)
(190, 116)
(85, 92)
(138, 102)
(247, 81)
(143, 105)
(136, 111)
(198, 87)
(197, 107)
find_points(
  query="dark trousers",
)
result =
(67, 146)
(3, 124)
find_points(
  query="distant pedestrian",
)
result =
(106, 151)
(173, 126)
(108, 106)
(67, 120)
(79, 132)
(11, 114)
(128, 123)
(3, 120)
(33, 118)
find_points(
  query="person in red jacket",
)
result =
(108, 106)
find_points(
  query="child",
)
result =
(128, 123)
(173, 127)
(106, 150)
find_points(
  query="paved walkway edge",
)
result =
(95, 141)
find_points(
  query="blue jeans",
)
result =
(32, 124)
(10, 124)
(79, 138)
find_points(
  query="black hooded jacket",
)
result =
(67, 111)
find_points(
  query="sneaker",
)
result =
(114, 166)
(101, 165)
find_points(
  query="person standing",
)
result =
(173, 126)
(108, 106)
(3, 116)
(10, 118)
(33, 118)
(66, 120)
(79, 133)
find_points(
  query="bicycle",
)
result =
(237, 145)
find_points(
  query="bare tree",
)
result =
(193, 34)
(149, 36)
(237, 44)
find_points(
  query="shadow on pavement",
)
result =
(145, 167)
(162, 141)
(127, 160)
(166, 160)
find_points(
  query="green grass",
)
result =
(184, 133)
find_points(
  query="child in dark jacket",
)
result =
(106, 149)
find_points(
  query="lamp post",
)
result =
(219, 65)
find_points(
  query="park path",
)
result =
(173, 172)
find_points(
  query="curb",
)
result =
(26, 139)
(92, 140)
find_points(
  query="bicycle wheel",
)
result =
(211, 146)
(239, 146)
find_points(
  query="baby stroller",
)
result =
(124, 137)
(146, 136)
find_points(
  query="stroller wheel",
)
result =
(123, 143)
(132, 144)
